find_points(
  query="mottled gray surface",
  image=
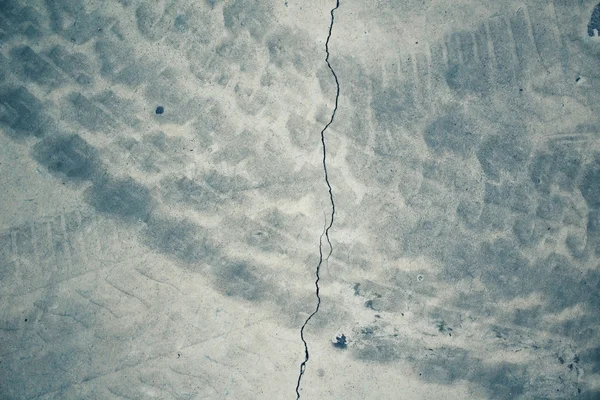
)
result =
(165, 204)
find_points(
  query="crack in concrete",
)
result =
(327, 227)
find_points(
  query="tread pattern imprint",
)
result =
(163, 191)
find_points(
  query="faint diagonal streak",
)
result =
(327, 227)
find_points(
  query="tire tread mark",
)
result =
(47, 256)
(524, 47)
(421, 66)
(483, 53)
(502, 50)
(467, 46)
(544, 36)
(493, 65)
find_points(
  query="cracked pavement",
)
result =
(169, 170)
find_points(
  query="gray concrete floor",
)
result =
(237, 199)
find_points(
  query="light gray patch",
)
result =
(254, 16)
(186, 191)
(446, 365)
(89, 115)
(124, 199)
(137, 73)
(326, 81)
(379, 350)
(288, 49)
(241, 279)
(251, 101)
(452, 133)
(68, 156)
(507, 153)
(180, 239)
(124, 109)
(264, 238)
(237, 149)
(114, 55)
(223, 184)
(23, 113)
(168, 91)
(74, 64)
(303, 133)
(208, 66)
(238, 52)
(210, 122)
(149, 159)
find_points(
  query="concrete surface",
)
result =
(243, 199)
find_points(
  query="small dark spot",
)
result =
(340, 341)
(570, 367)
(178, 355)
(160, 110)
(520, 90)
(577, 79)
(25, 319)
(367, 331)
(561, 360)
(369, 304)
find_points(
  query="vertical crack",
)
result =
(328, 226)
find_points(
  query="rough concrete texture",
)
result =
(243, 199)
